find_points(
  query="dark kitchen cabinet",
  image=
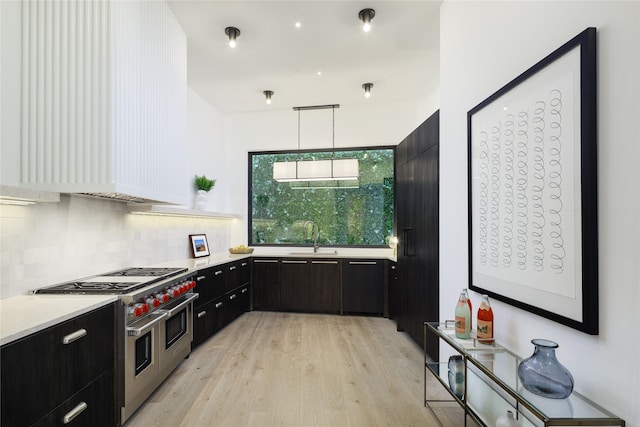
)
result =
(310, 285)
(238, 273)
(237, 302)
(265, 281)
(417, 204)
(392, 286)
(363, 286)
(47, 374)
(207, 320)
(225, 293)
(210, 284)
(85, 408)
(294, 278)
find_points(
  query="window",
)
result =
(347, 213)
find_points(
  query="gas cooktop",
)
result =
(116, 282)
(163, 272)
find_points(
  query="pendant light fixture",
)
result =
(317, 170)
(268, 94)
(232, 33)
(366, 15)
(367, 89)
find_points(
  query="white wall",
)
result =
(355, 126)
(484, 45)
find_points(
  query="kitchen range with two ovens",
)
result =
(154, 325)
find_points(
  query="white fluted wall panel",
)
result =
(150, 95)
(65, 100)
(104, 98)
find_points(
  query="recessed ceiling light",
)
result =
(319, 73)
(298, 24)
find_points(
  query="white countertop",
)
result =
(280, 252)
(26, 314)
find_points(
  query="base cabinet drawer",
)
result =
(207, 320)
(92, 406)
(40, 371)
(238, 302)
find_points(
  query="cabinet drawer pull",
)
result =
(201, 278)
(233, 267)
(217, 272)
(68, 339)
(362, 263)
(324, 262)
(285, 261)
(244, 290)
(265, 260)
(70, 416)
(202, 314)
(218, 305)
(393, 267)
(232, 297)
(244, 264)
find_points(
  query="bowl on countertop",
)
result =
(240, 250)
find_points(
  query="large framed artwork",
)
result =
(533, 229)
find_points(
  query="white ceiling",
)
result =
(400, 55)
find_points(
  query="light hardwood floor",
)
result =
(289, 369)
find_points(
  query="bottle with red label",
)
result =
(485, 321)
(463, 318)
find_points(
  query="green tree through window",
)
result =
(347, 213)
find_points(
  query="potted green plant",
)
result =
(203, 185)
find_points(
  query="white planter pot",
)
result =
(201, 200)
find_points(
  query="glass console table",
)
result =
(491, 387)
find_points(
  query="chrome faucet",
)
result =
(315, 236)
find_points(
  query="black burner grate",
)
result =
(147, 272)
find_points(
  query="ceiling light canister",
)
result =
(367, 89)
(268, 94)
(366, 15)
(232, 33)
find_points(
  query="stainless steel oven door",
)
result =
(142, 362)
(176, 334)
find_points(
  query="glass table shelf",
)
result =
(497, 367)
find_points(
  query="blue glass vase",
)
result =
(543, 374)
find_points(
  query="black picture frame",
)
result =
(199, 245)
(532, 189)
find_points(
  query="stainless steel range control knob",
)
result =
(136, 310)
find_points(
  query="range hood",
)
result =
(104, 103)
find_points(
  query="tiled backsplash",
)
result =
(48, 243)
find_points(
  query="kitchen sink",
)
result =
(315, 254)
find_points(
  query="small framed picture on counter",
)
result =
(199, 245)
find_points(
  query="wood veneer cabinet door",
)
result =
(40, 372)
(85, 408)
(324, 286)
(210, 284)
(204, 321)
(265, 280)
(363, 286)
(417, 226)
(294, 284)
(310, 285)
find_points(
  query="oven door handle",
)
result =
(177, 308)
(134, 332)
